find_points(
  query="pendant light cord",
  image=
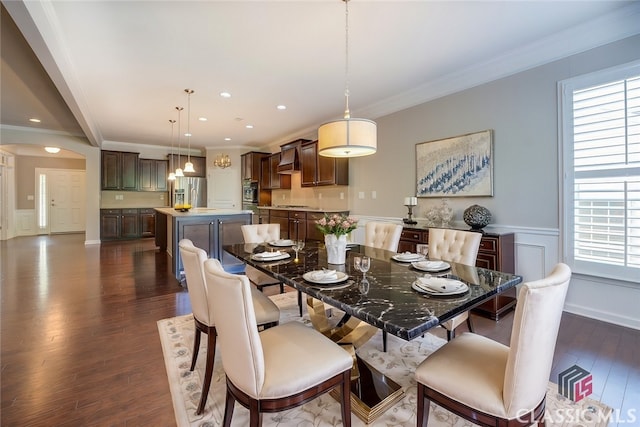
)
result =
(347, 113)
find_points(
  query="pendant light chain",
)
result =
(188, 167)
(172, 175)
(347, 113)
(179, 169)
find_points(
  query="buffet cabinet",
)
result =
(496, 253)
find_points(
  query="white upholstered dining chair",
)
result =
(278, 368)
(382, 235)
(267, 313)
(263, 233)
(455, 246)
(491, 384)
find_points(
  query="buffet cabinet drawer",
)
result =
(489, 244)
(416, 236)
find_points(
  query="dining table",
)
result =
(350, 306)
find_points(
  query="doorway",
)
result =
(60, 200)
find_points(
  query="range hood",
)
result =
(290, 157)
(289, 162)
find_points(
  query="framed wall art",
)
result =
(457, 166)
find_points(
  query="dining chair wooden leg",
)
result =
(208, 370)
(300, 302)
(422, 412)
(345, 404)
(229, 403)
(451, 334)
(384, 341)
(196, 346)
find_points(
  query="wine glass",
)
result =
(365, 263)
(298, 245)
(356, 262)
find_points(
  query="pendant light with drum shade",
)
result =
(179, 169)
(347, 137)
(172, 175)
(188, 167)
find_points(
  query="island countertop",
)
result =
(201, 212)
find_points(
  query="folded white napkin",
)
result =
(324, 275)
(268, 254)
(431, 265)
(408, 256)
(439, 284)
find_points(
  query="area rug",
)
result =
(399, 363)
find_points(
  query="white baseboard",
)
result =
(614, 318)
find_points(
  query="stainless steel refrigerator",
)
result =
(194, 190)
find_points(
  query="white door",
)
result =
(61, 196)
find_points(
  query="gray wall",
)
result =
(26, 175)
(522, 111)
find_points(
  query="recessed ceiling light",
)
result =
(225, 94)
(52, 150)
(281, 107)
(34, 120)
(227, 139)
(202, 119)
(249, 126)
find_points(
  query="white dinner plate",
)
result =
(309, 277)
(431, 266)
(260, 257)
(407, 257)
(282, 243)
(439, 286)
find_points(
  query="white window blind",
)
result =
(602, 161)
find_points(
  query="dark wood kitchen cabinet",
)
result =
(116, 224)
(318, 170)
(119, 170)
(153, 175)
(147, 220)
(250, 165)
(130, 223)
(277, 181)
(280, 217)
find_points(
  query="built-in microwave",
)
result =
(250, 192)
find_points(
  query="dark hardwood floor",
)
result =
(80, 345)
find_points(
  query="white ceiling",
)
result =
(121, 66)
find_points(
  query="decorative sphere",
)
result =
(477, 216)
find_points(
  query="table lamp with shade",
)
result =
(410, 202)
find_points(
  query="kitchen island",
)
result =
(208, 228)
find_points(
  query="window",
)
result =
(43, 204)
(600, 119)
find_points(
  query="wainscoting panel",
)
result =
(25, 222)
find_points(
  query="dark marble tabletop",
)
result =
(389, 303)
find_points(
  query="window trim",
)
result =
(565, 89)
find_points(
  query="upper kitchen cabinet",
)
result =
(277, 181)
(119, 170)
(250, 165)
(153, 175)
(199, 164)
(318, 170)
